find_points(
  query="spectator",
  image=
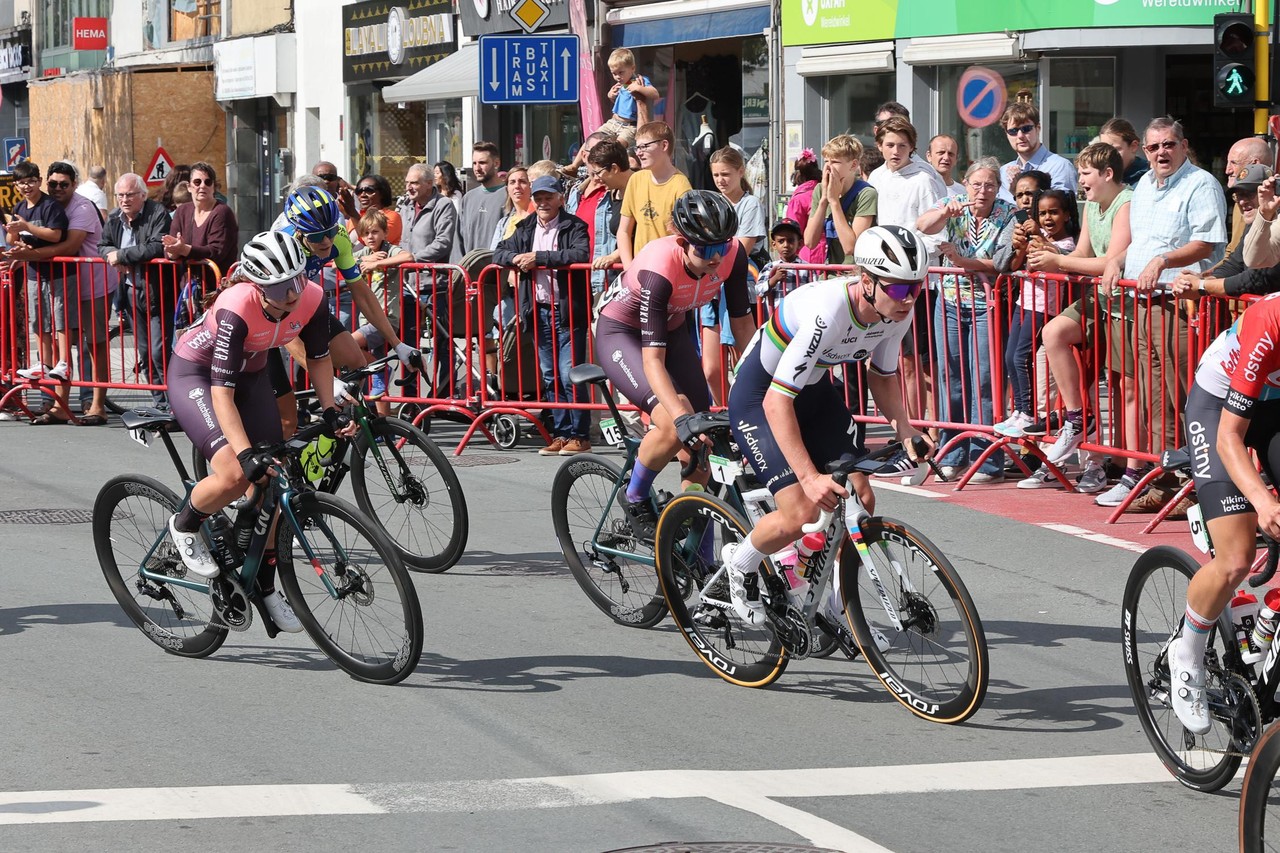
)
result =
(1104, 238)
(729, 173)
(203, 229)
(601, 208)
(179, 174)
(558, 305)
(633, 97)
(1233, 277)
(430, 223)
(1177, 223)
(519, 204)
(337, 187)
(482, 207)
(805, 178)
(95, 189)
(634, 159)
(1122, 136)
(373, 192)
(1245, 152)
(942, 156)
(844, 205)
(181, 194)
(132, 237)
(905, 189)
(652, 192)
(970, 225)
(884, 112)
(786, 239)
(378, 257)
(588, 183)
(1012, 248)
(447, 184)
(1021, 122)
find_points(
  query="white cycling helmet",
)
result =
(272, 257)
(891, 251)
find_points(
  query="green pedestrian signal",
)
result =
(1234, 60)
(1235, 83)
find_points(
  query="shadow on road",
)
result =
(15, 620)
(493, 564)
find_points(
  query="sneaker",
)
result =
(1014, 427)
(281, 613)
(377, 386)
(751, 612)
(1117, 493)
(574, 446)
(193, 551)
(1043, 426)
(1152, 500)
(1186, 693)
(554, 448)
(949, 472)
(897, 465)
(34, 373)
(1092, 479)
(8, 415)
(644, 521)
(983, 477)
(1043, 478)
(1070, 437)
(58, 371)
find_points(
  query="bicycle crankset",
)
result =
(230, 602)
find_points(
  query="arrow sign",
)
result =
(524, 70)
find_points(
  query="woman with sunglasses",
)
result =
(203, 228)
(790, 417)
(222, 397)
(645, 344)
(373, 192)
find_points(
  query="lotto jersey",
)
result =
(1242, 365)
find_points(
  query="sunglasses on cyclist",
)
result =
(321, 236)
(279, 292)
(712, 251)
(899, 291)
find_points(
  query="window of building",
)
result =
(194, 19)
(989, 141)
(1080, 98)
(851, 102)
(385, 139)
(55, 25)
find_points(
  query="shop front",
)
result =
(15, 68)
(382, 44)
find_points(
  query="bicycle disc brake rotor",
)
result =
(412, 492)
(918, 614)
(230, 603)
(354, 584)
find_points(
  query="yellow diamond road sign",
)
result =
(530, 13)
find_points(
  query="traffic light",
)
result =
(1234, 61)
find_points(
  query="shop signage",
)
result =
(835, 21)
(529, 69)
(489, 17)
(980, 96)
(755, 106)
(14, 55)
(88, 33)
(386, 41)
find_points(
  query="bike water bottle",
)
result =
(1264, 629)
(1244, 615)
(806, 547)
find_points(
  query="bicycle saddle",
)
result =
(581, 374)
(1175, 461)
(151, 420)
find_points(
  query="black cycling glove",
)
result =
(255, 463)
(684, 428)
(334, 421)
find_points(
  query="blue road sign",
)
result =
(15, 150)
(529, 69)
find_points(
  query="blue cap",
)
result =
(546, 184)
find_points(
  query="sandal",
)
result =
(49, 420)
(92, 420)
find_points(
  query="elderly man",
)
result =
(131, 239)
(1021, 123)
(430, 226)
(95, 189)
(557, 303)
(1233, 277)
(1246, 152)
(1176, 220)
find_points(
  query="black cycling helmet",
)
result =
(705, 218)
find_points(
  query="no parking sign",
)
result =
(980, 96)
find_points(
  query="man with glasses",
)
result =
(790, 417)
(651, 192)
(131, 239)
(1245, 152)
(1021, 123)
(338, 188)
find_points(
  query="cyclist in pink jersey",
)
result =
(644, 340)
(222, 398)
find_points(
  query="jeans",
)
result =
(964, 384)
(1025, 328)
(559, 349)
(152, 334)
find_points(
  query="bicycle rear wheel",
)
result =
(692, 530)
(370, 625)
(934, 660)
(1256, 797)
(1154, 604)
(418, 500)
(625, 589)
(131, 512)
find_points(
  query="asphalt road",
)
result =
(533, 723)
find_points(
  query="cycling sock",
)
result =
(747, 557)
(641, 481)
(267, 574)
(1195, 636)
(189, 518)
(1076, 416)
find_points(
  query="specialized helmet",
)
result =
(272, 257)
(891, 251)
(312, 210)
(705, 218)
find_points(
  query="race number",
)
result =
(609, 429)
(724, 470)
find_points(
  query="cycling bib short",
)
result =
(813, 330)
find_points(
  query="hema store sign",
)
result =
(834, 21)
(88, 33)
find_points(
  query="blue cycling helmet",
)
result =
(311, 210)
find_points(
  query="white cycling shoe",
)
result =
(751, 612)
(1186, 693)
(193, 551)
(281, 613)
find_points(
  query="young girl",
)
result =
(1055, 229)
(378, 259)
(805, 177)
(729, 172)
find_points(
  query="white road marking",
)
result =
(1100, 538)
(749, 790)
(891, 486)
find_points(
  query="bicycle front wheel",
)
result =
(587, 515)
(356, 600)
(130, 514)
(409, 488)
(1255, 796)
(1155, 600)
(917, 626)
(692, 530)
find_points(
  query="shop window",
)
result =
(194, 19)
(989, 141)
(385, 139)
(1081, 98)
(851, 104)
(56, 17)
